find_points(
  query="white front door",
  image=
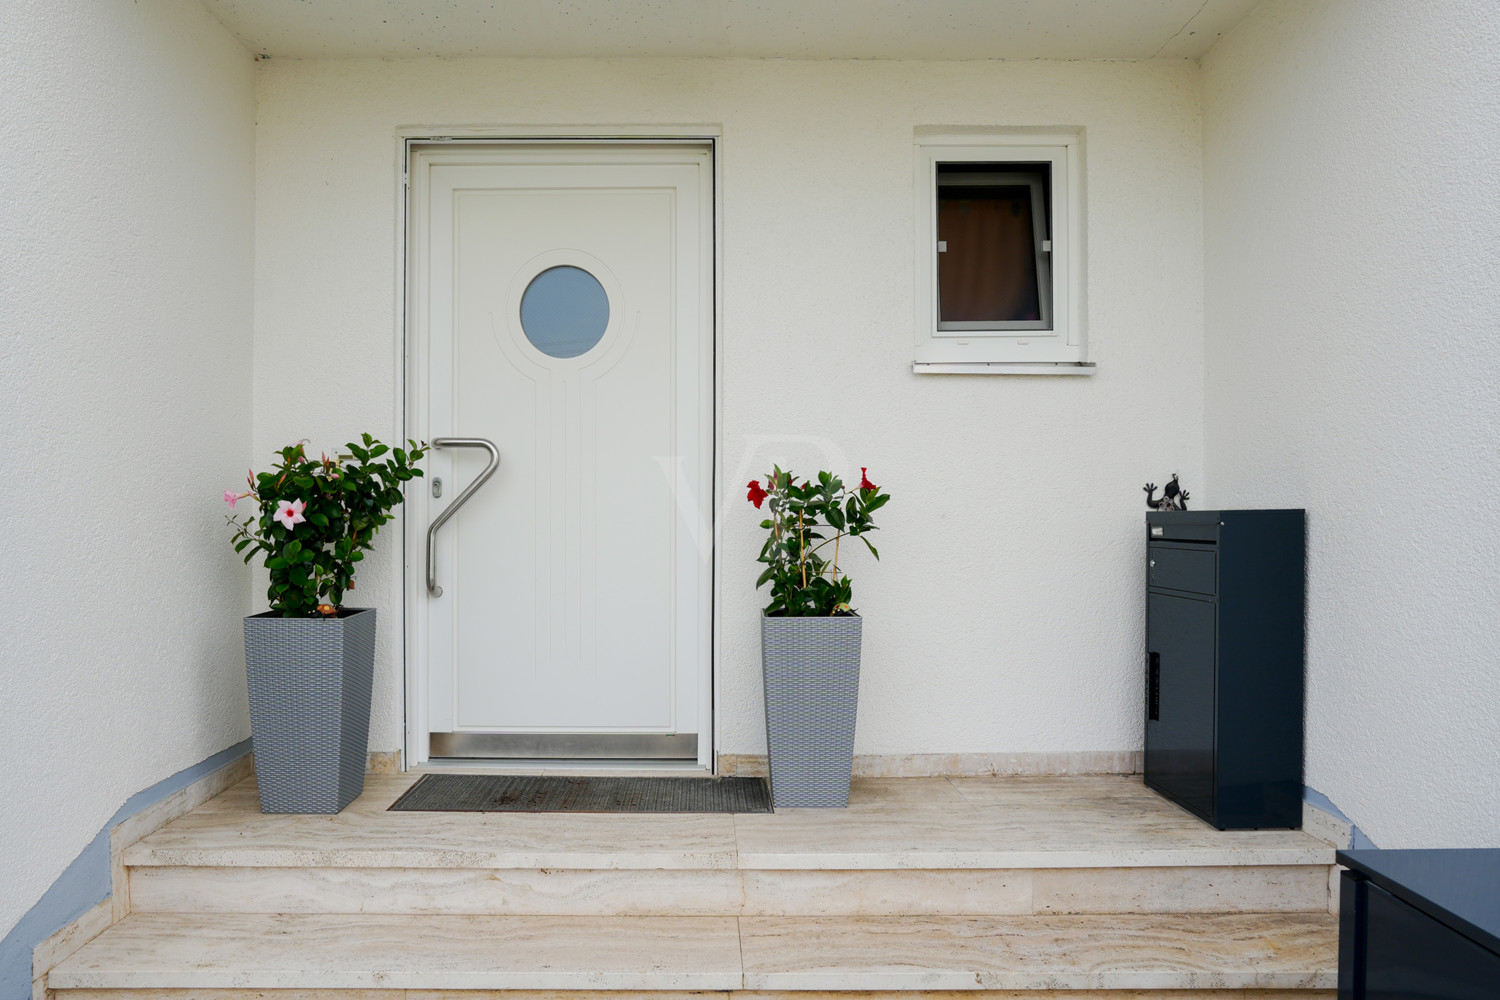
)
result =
(561, 299)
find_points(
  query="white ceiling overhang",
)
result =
(803, 29)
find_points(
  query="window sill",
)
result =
(1003, 368)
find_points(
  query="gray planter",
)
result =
(811, 671)
(309, 682)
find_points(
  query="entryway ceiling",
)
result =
(840, 29)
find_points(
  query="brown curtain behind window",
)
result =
(988, 272)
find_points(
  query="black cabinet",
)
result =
(1224, 664)
(1419, 924)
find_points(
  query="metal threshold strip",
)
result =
(566, 746)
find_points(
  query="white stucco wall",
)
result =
(1353, 297)
(1006, 614)
(126, 148)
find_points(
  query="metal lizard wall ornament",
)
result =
(1173, 497)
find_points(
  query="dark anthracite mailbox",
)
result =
(1419, 924)
(1224, 664)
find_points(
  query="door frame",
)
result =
(412, 640)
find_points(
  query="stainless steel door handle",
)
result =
(489, 470)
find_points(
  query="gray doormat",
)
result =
(525, 793)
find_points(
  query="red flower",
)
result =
(756, 494)
(864, 480)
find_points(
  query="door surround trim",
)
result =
(409, 140)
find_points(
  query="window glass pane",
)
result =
(990, 243)
(564, 311)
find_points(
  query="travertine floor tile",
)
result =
(1243, 889)
(515, 891)
(737, 995)
(898, 823)
(446, 952)
(873, 892)
(233, 994)
(231, 830)
(1060, 791)
(1289, 951)
(1012, 823)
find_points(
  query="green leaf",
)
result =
(873, 551)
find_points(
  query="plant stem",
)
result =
(826, 541)
(802, 552)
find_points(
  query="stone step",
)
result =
(894, 823)
(423, 994)
(681, 955)
(730, 892)
(904, 846)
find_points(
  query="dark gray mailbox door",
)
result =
(1180, 699)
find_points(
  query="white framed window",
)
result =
(999, 279)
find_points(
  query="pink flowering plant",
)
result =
(808, 523)
(317, 518)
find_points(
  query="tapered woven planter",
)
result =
(811, 671)
(309, 682)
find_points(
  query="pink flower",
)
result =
(289, 512)
(230, 496)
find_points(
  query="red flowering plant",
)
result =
(807, 524)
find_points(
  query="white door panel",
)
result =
(576, 581)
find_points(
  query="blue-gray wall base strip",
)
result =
(85, 882)
(1357, 839)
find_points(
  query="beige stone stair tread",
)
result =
(357, 951)
(424, 994)
(729, 892)
(1219, 951)
(891, 823)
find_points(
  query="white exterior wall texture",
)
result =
(1005, 613)
(1353, 297)
(127, 148)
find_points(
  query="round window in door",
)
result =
(564, 311)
